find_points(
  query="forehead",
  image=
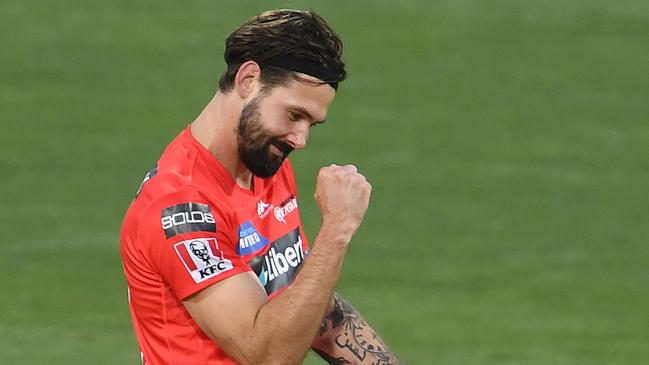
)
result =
(311, 95)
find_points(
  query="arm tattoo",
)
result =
(350, 339)
(330, 359)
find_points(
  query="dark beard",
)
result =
(254, 143)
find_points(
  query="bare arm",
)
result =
(345, 338)
(252, 330)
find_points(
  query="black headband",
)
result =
(306, 67)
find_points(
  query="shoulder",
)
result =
(186, 209)
(170, 233)
(180, 183)
(172, 207)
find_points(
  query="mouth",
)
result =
(280, 148)
(275, 150)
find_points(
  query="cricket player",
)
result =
(217, 264)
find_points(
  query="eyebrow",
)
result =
(301, 110)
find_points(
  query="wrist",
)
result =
(335, 235)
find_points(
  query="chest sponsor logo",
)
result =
(187, 217)
(250, 240)
(286, 208)
(202, 258)
(279, 265)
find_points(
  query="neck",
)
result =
(215, 129)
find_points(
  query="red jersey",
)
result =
(191, 226)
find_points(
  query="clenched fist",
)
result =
(343, 195)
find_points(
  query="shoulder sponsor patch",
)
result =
(202, 258)
(250, 240)
(187, 217)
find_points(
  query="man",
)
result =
(213, 249)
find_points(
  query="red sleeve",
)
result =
(190, 241)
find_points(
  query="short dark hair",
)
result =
(300, 34)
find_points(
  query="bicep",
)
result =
(226, 312)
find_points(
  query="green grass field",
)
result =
(507, 143)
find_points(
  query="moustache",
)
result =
(282, 146)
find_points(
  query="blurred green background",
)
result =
(507, 143)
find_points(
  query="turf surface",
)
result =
(507, 143)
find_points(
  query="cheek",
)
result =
(274, 119)
(273, 126)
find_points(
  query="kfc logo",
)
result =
(202, 258)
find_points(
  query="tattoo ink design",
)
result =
(323, 328)
(354, 337)
(331, 360)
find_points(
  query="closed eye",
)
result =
(315, 124)
(299, 114)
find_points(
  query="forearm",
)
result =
(236, 312)
(287, 325)
(345, 338)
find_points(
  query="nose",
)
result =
(299, 135)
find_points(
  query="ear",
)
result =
(246, 81)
